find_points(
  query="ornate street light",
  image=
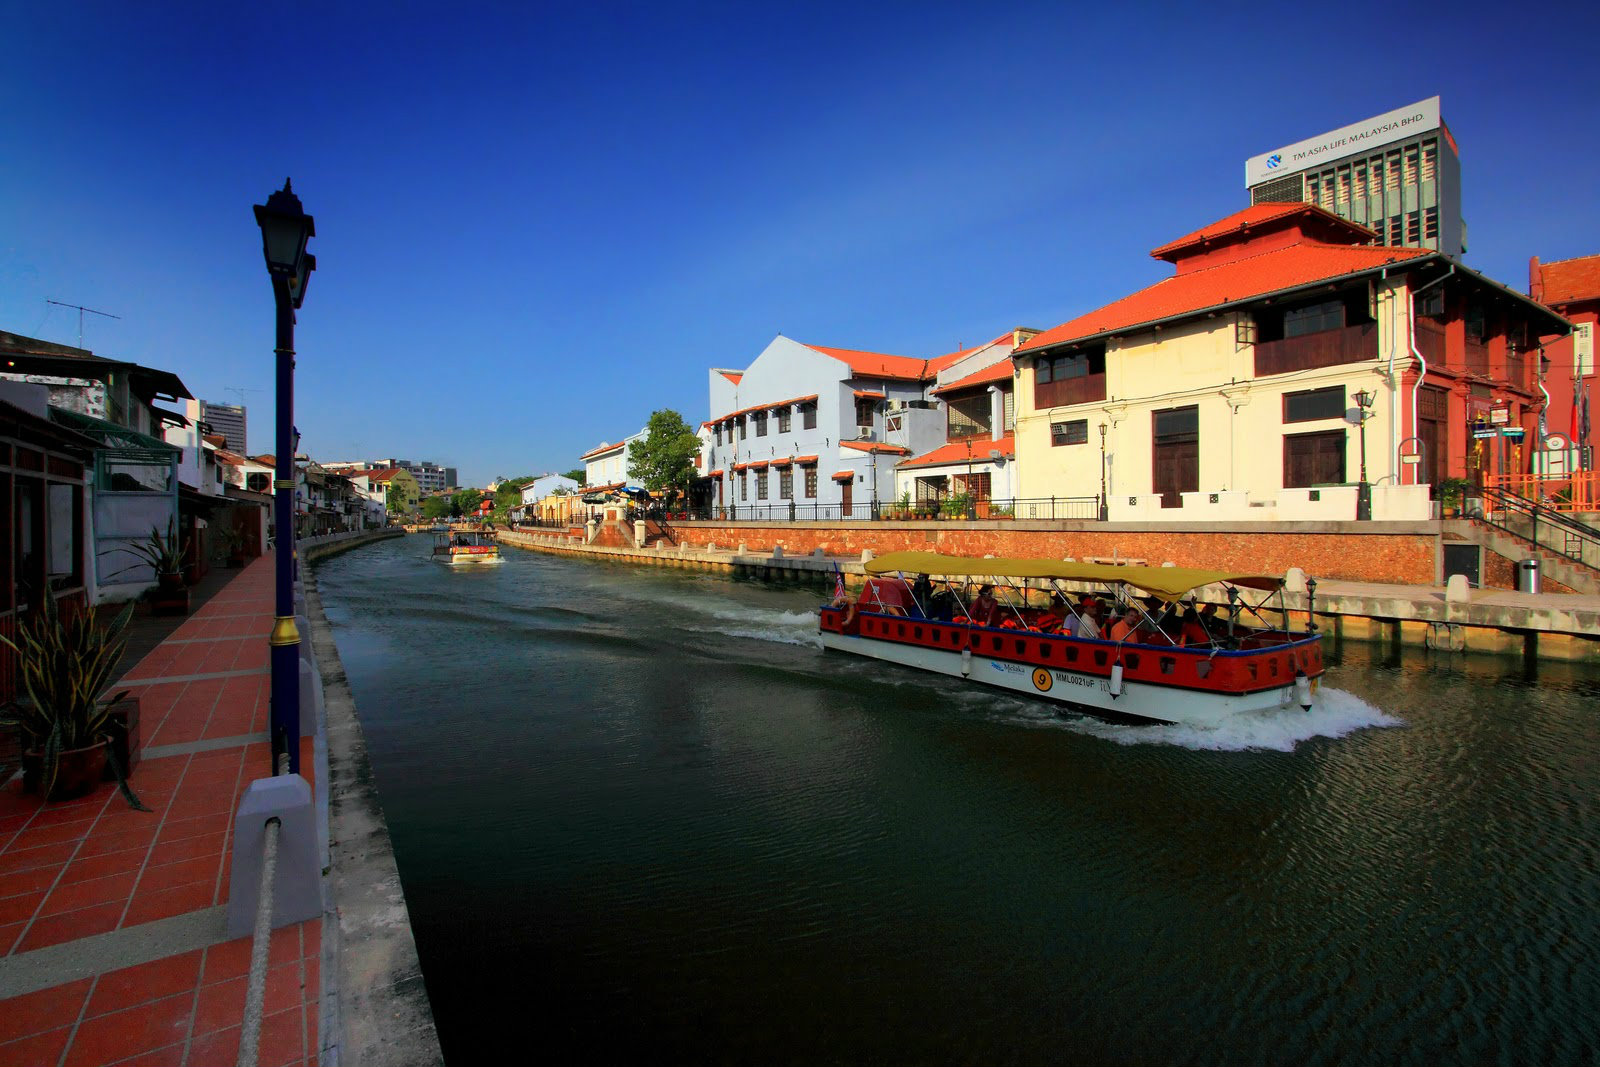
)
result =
(285, 229)
(1364, 401)
(1105, 512)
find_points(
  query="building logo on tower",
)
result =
(1273, 161)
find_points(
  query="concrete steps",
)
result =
(1576, 576)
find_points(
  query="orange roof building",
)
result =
(1229, 389)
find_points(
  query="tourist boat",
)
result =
(465, 548)
(1244, 663)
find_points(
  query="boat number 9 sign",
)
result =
(1042, 680)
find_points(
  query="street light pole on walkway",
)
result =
(285, 228)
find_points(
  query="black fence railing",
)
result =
(1078, 508)
(1553, 531)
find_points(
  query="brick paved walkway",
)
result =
(112, 947)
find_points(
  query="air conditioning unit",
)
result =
(868, 435)
(898, 405)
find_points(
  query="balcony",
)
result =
(1328, 348)
(1088, 389)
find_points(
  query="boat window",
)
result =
(1272, 667)
(1168, 664)
(1131, 660)
(994, 643)
(1252, 669)
(1099, 657)
(1203, 668)
(916, 631)
(1072, 654)
(902, 630)
(1044, 650)
(1022, 648)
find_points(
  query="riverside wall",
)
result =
(375, 1006)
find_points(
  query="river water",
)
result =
(639, 814)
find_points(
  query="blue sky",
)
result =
(538, 223)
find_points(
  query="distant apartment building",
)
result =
(227, 420)
(1398, 174)
(1571, 288)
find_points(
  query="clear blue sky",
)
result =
(538, 223)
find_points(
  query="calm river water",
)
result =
(640, 815)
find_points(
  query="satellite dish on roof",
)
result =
(994, 454)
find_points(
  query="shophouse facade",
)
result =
(134, 487)
(605, 468)
(814, 432)
(1230, 390)
(1571, 288)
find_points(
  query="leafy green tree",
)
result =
(577, 474)
(664, 459)
(436, 507)
(465, 501)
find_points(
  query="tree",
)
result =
(664, 459)
(577, 474)
(436, 507)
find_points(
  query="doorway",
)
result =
(1175, 440)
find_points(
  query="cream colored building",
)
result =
(1229, 390)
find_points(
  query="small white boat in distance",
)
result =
(465, 548)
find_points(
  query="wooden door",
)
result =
(846, 492)
(1175, 440)
(1433, 409)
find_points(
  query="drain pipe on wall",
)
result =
(1411, 331)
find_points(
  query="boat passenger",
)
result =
(1057, 619)
(1126, 627)
(1088, 621)
(985, 610)
(1193, 631)
(922, 593)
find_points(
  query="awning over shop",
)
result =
(844, 476)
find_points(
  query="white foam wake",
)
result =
(1335, 714)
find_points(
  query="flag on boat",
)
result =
(838, 582)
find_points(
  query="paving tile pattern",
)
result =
(91, 866)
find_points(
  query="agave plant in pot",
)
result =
(64, 664)
(165, 554)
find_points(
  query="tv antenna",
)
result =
(81, 310)
(241, 393)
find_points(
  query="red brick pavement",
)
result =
(91, 866)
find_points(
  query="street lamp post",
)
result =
(1364, 401)
(972, 507)
(1105, 512)
(285, 228)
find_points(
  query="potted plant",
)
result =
(1452, 496)
(64, 665)
(233, 545)
(165, 554)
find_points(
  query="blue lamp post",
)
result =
(285, 228)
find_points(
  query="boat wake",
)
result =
(779, 627)
(1336, 714)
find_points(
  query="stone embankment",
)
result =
(1547, 625)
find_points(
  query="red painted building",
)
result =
(1571, 288)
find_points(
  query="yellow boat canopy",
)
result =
(1170, 583)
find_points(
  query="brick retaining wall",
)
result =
(1399, 553)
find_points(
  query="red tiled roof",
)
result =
(998, 372)
(1571, 279)
(805, 460)
(603, 448)
(956, 452)
(715, 474)
(878, 365)
(758, 465)
(774, 405)
(782, 462)
(1241, 222)
(843, 476)
(266, 459)
(868, 394)
(382, 474)
(876, 446)
(215, 439)
(1237, 280)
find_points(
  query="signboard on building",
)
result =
(1499, 416)
(1361, 136)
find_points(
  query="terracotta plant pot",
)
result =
(78, 771)
(170, 583)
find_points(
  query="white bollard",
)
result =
(1456, 590)
(1294, 580)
